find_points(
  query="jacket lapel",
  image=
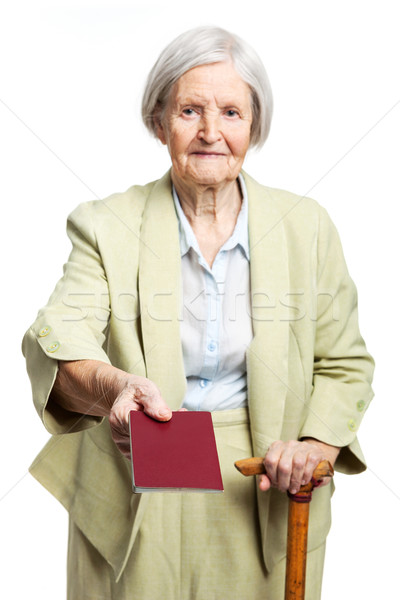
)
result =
(267, 355)
(160, 293)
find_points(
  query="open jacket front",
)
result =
(119, 301)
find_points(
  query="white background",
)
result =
(71, 77)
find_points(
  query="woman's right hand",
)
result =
(141, 394)
(96, 388)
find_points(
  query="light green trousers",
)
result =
(194, 546)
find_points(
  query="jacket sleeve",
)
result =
(72, 325)
(342, 366)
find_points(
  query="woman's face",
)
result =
(206, 125)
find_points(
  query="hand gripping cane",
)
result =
(296, 556)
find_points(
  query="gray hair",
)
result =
(202, 46)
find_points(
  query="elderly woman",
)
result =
(203, 290)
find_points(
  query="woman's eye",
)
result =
(232, 113)
(189, 112)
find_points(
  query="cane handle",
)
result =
(255, 466)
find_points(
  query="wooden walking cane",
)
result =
(299, 505)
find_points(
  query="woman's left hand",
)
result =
(289, 465)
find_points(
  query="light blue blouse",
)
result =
(216, 324)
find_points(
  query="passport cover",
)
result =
(176, 455)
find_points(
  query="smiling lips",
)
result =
(203, 154)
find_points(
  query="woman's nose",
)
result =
(209, 129)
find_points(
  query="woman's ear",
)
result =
(158, 126)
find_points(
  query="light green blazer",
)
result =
(119, 301)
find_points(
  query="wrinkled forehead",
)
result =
(216, 82)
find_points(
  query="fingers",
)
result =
(120, 436)
(289, 465)
(263, 483)
(141, 394)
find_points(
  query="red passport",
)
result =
(176, 455)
